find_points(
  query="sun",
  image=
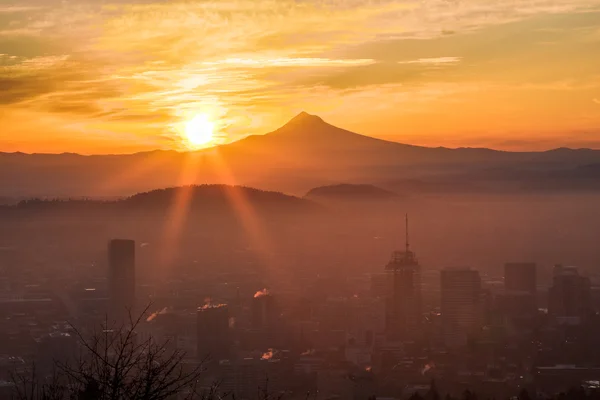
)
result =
(199, 131)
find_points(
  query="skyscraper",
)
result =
(461, 305)
(403, 307)
(263, 310)
(213, 334)
(121, 279)
(569, 299)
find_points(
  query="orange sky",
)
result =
(127, 75)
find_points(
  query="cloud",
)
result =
(25, 79)
(597, 101)
(16, 9)
(289, 62)
(433, 61)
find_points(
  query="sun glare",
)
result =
(199, 130)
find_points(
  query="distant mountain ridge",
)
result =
(207, 198)
(306, 152)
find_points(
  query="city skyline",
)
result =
(247, 327)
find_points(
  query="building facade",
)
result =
(569, 300)
(213, 333)
(461, 306)
(121, 279)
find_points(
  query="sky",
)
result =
(121, 76)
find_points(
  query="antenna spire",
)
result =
(407, 242)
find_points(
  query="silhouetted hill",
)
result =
(350, 192)
(304, 153)
(203, 198)
(218, 196)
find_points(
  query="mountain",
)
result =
(308, 139)
(304, 153)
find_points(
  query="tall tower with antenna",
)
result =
(403, 306)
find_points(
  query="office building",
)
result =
(264, 315)
(569, 300)
(173, 329)
(403, 307)
(461, 306)
(121, 279)
(213, 333)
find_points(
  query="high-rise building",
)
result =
(520, 290)
(461, 305)
(263, 310)
(173, 329)
(403, 307)
(569, 300)
(121, 279)
(213, 333)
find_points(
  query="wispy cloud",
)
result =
(289, 62)
(7, 9)
(433, 61)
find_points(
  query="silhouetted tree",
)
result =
(29, 386)
(115, 365)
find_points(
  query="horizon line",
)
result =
(293, 119)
